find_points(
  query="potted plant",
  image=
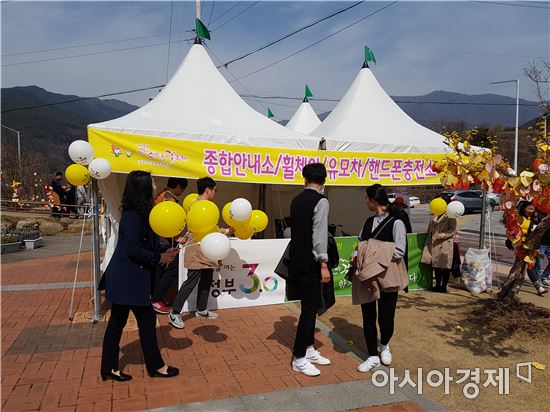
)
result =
(10, 243)
(31, 238)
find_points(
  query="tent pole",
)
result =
(198, 8)
(261, 205)
(97, 315)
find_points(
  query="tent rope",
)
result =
(71, 306)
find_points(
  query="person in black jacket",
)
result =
(386, 225)
(128, 277)
(308, 264)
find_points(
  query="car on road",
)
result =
(413, 200)
(494, 197)
(471, 199)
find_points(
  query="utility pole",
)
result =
(516, 81)
(18, 133)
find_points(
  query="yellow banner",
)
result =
(224, 162)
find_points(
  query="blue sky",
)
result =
(420, 46)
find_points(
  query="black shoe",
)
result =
(122, 378)
(170, 373)
(435, 289)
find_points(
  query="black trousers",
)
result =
(386, 313)
(201, 276)
(309, 287)
(146, 320)
(164, 278)
(442, 278)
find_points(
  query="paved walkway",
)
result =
(470, 223)
(51, 363)
(53, 246)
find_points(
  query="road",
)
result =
(468, 226)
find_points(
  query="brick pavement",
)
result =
(47, 270)
(50, 363)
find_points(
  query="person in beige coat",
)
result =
(200, 269)
(377, 271)
(438, 250)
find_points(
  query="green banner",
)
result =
(346, 245)
(420, 275)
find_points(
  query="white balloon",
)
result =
(215, 246)
(287, 233)
(100, 168)
(81, 152)
(455, 209)
(240, 210)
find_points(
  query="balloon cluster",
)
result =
(168, 219)
(239, 215)
(82, 154)
(438, 206)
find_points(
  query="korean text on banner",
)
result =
(247, 276)
(193, 159)
(346, 246)
(420, 275)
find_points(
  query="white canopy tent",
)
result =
(197, 104)
(305, 119)
(368, 120)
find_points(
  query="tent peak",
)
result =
(365, 65)
(198, 40)
(305, 100)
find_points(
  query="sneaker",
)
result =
(371, 363)
(306, 368)
(176, 320)
(546, 283)
(206, 315)
(161, 307)
(317, 358)
(540, 289)
(385, 356)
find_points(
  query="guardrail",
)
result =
(61, 210)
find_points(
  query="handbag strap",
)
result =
(382, 226)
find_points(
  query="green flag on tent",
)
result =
(369, 55)
(269, 113)
(308, 92)
(201, 30)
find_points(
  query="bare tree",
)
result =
(539, 73)
(32, 173)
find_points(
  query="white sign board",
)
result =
(246, 278)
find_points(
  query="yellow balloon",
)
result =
(77, 175)
(438, 206)
(203, 216)
(188, 201)
(167, 219)
(197, 237)
(244, 232)
(226, 215)
(258, 221)
(235, 224)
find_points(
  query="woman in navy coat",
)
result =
(127, 280)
